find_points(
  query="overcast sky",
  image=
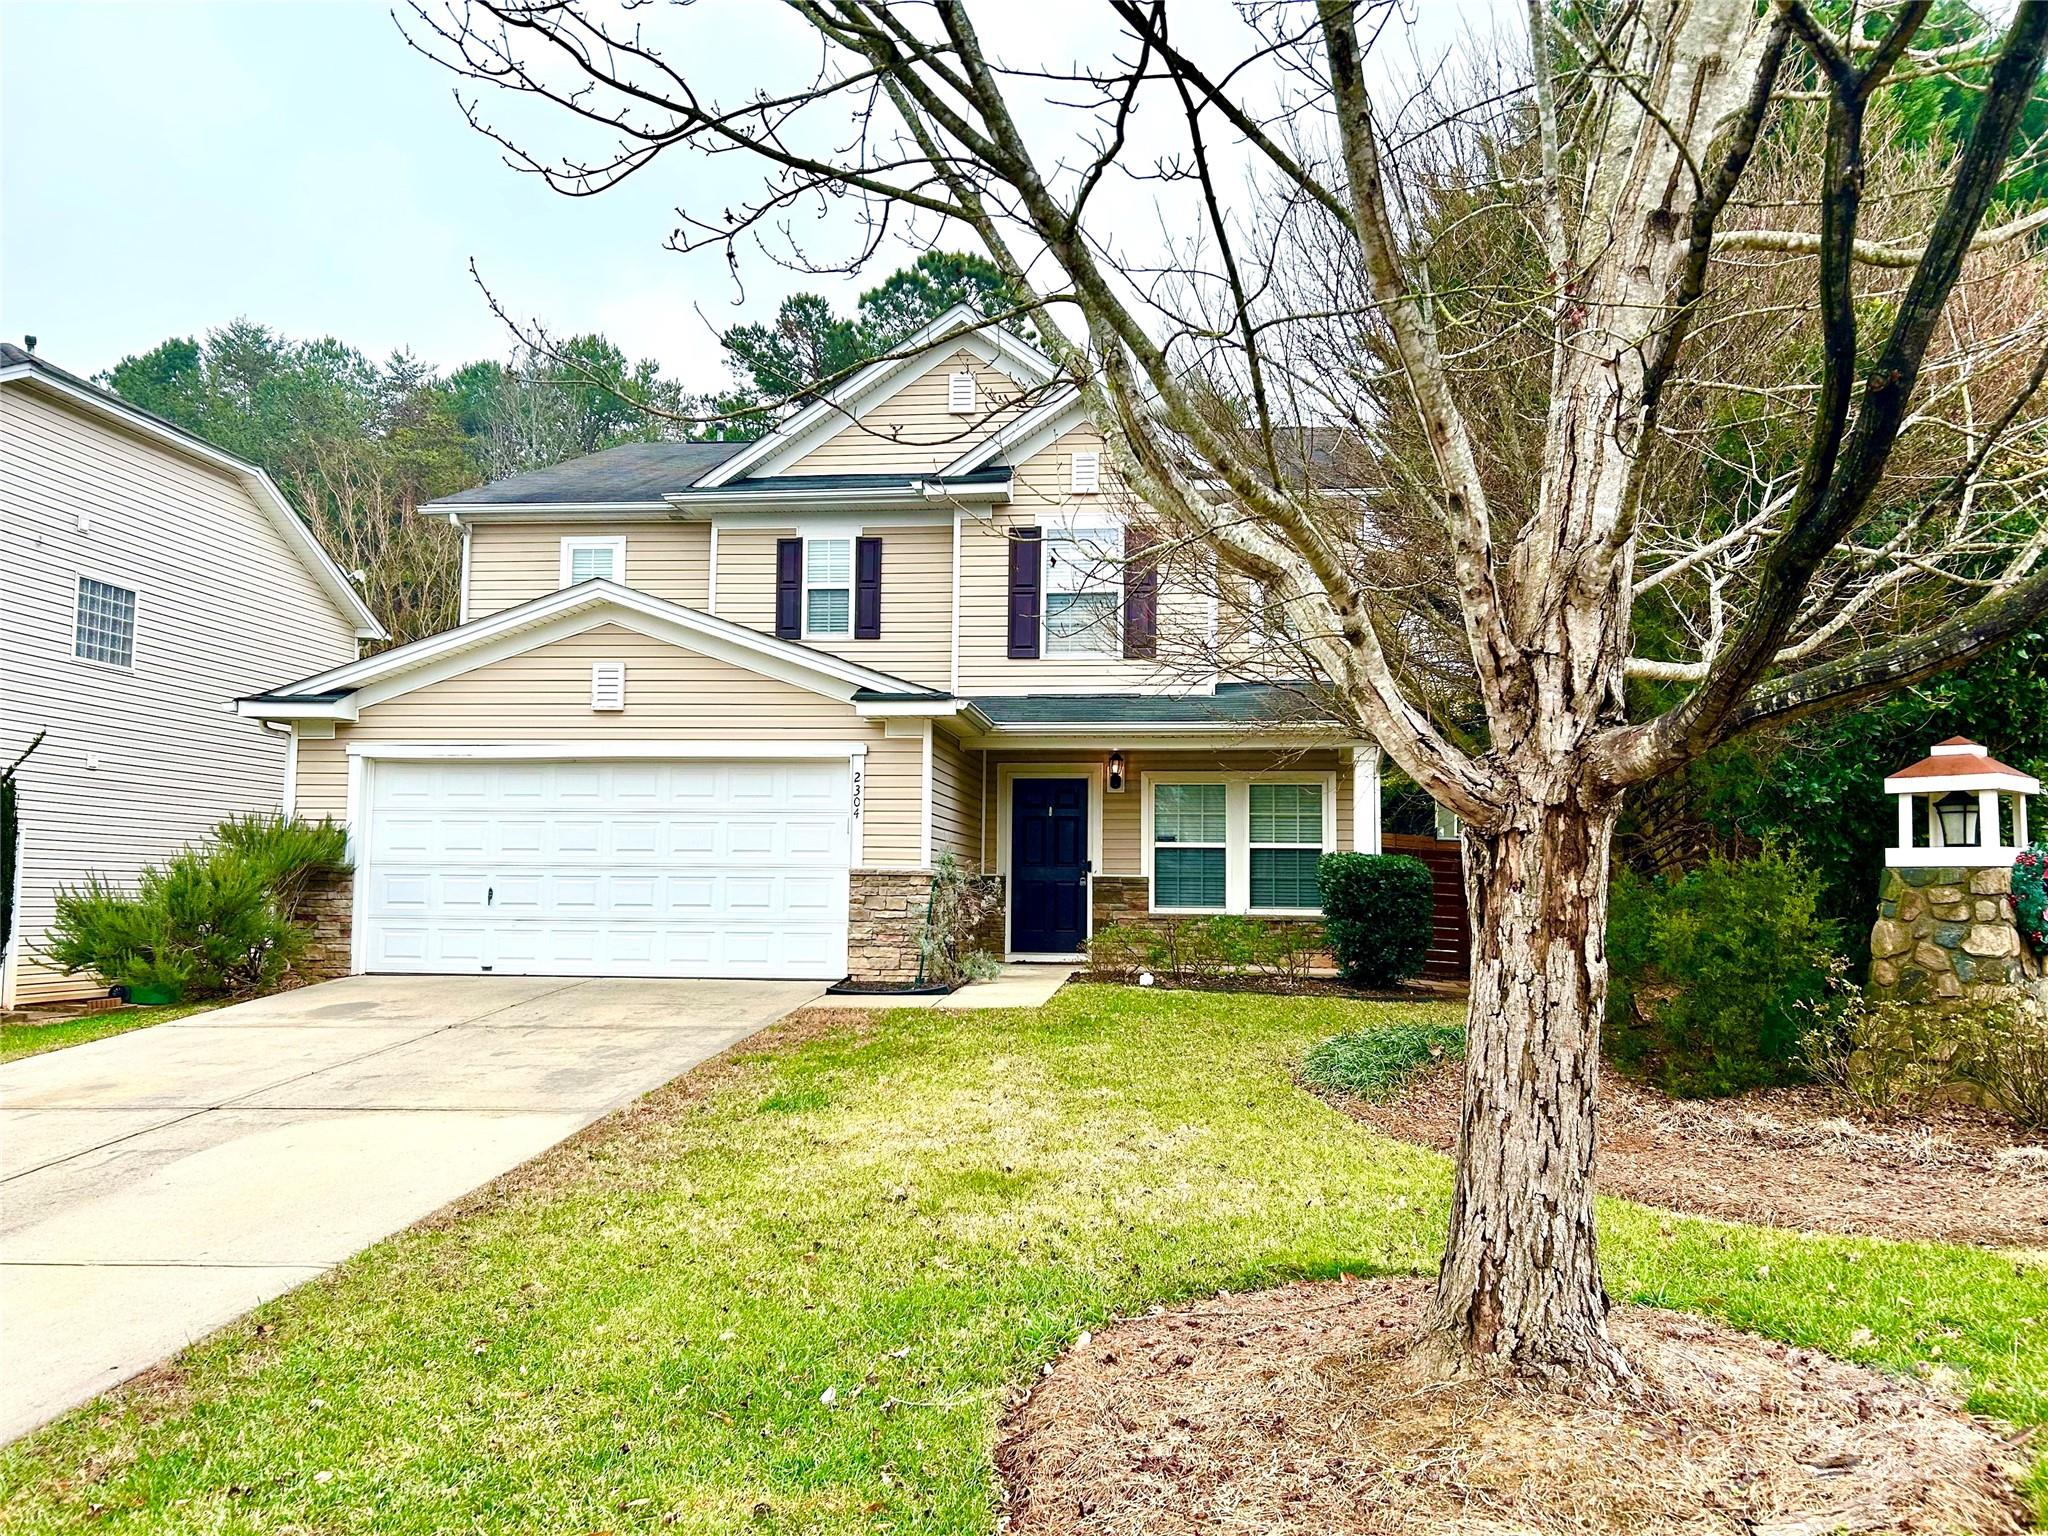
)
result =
(169, 166)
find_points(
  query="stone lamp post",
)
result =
(1945, 925)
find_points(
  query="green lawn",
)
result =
(640, 1333)
(18, 1040)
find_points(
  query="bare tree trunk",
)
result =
(1520, 1285)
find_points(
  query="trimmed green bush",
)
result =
(1378, 910)
(1377, 1063)
(1712, 977)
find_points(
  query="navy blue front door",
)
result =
(1048, 866)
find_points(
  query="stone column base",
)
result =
(1947, 933)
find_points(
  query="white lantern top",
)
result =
(1973, 803)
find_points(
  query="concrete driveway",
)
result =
(156, 1185)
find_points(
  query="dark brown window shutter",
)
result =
(1141, 595)
(1025, 566)
(867, 589)
(789, 589)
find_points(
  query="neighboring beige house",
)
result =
(146, 580)
(716, 708)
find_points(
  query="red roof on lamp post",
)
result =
(1960, 763)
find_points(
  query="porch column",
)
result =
(1365, 799)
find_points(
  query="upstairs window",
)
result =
(104, 627)
(593, 560)
(828, 586)
(1083, 592)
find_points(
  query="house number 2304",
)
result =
(856, 793)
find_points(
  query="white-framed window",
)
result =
(103, 623)
(960, 393)
(593, 559)
(1235, 842)
(1084, 473)
(1285, 835)
(1084, 592)
(1190, 846)
(828, 586)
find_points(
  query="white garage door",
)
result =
(607, 868)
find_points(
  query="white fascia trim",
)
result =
(1027, 435)
(792, 495)
(331, 709)
(608, 601)
(318, 563)
(960, 326)
(1207, 730)
(575, 751)
(2005, 783)
(1102, 738)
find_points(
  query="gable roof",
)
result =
(631, 475)
(962, 325)
(338, 692)
(19, 366)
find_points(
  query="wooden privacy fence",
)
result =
(1450, 943)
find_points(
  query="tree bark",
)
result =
(1520, 1285)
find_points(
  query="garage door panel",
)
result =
(641, 868)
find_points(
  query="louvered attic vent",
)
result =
(960, 394)
(608, 685)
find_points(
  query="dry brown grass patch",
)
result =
(1292, 1411)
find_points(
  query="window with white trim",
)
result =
(593, 559)
(1190, 841)
(828, 586)
(1246, 843)
(104, 623)
(1286, 840)
(1084, 592)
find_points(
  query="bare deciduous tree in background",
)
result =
(1636, 394)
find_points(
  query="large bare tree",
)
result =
(1574, 413)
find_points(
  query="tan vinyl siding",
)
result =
(956, 798)
(912, 432)
(224, 607)
(1039, 492)
(543, 697)
(513, 563)
(1123, 811)
(917, 597)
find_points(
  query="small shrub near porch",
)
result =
(213, 922)
(1378, 910)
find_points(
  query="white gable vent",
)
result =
(1085, 474)
(960, 393)
(607, 685)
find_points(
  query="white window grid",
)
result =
(828, 587)
(593, 559)
(1313, 837)
(1083, 592)
(1238, 843)
(104, 627)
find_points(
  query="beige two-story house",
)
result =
(147, 580)
(716, 708)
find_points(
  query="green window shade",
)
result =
(1189, 813)
(1285, 877)
(1287, 813)
(1187, 877)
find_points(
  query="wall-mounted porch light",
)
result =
(1116, 769)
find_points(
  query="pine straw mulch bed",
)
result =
(1284, 1411)
(1787, 1157)
(1311, 985)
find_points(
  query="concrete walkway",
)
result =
(156, 1185)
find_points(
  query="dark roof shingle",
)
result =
(630, 472)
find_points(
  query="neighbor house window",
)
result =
(1229, 842)
(104, 630)
(1190, 837)
(593, 560)
(1083, 592)
(828, 586)
(1286, 840)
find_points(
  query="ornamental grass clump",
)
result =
(1378, 1063)
(210, 922)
